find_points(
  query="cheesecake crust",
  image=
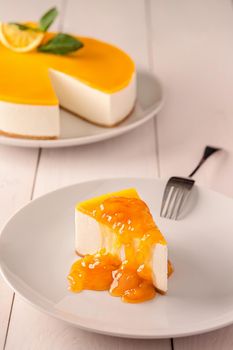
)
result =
(160, 291)
(26, 137)
(80, 255)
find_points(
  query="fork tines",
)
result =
(175, 194)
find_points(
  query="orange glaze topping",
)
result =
(130, 222)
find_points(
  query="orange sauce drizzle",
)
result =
(135, 232)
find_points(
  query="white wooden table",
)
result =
(189, 45)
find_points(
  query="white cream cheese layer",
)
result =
(29, 120)
(89, 239)
(98, 107)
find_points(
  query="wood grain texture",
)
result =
(133, 154)
(221, 339)
(193, 54)
(5, 307)
(17, 170)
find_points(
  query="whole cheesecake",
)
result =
(97, 83)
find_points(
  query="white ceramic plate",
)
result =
(37, 250)
(75, 131)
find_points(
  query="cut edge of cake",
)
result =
(93, 105)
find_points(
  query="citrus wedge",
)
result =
(19, 40)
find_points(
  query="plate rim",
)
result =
(217, 323)
(84, 140)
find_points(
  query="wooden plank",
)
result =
(17, 170)
(192, 54)
(129, 155)
(221, 339)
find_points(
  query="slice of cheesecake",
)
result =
(97, 83)
(120, 224)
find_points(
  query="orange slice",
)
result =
(18, 40)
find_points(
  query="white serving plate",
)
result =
(37, 250)
(76, 131)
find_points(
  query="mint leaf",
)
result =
(61, 44)
(24, 27)
(47, 19)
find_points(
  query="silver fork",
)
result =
(178, 188)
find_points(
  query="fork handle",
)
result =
(206, 154)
